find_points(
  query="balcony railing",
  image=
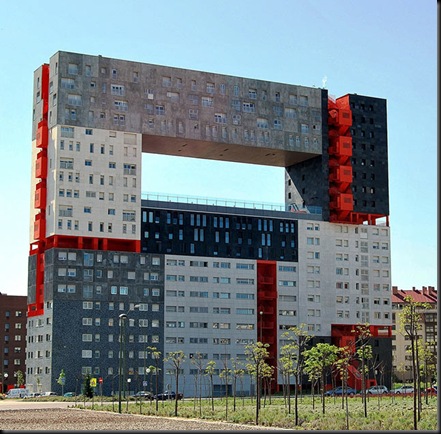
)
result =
(200, 200)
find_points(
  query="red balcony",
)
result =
(341, 145)
(39, 226)
(40, 195)
(339, 116)
(345, 117)
(42, 134)
(341, 201)
(341, 174)
(41, 164)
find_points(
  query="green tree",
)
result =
(428, 363)
(345, 356)
(225, 375)
(410, 324)
(62, 381)
(197, 361)
(256, 354)
(87, 388)
(20, 378)
(320, 358)
(286, 363)
(156, 355)
(176, 358)
(267, 377)
(378, 368)
(38, 379)
(284, 366)
(237, 372)
(209, 371)
(293, 360)
(364, 354)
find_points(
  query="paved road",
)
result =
(23, 404)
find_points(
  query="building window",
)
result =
(207, 101)
(248, 107)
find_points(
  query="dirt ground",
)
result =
(72, 419)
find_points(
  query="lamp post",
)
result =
(128, 394)
(147, 371)
(5, 378)
(155, 355)
(122, 353)
(122, 320)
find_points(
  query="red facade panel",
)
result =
(41, 165)
(40, 195)
(42, 134)
(340, 169)
(341, 146)
(39, 226)
(345, 201)
(341, 174)
(267, 307)
(45, 89)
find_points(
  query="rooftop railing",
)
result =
(234, 203)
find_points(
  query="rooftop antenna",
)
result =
(324, 80)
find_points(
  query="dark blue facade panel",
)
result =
(181, 232)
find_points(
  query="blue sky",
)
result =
(379, 48)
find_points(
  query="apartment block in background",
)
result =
(13, 309)
(402, 358)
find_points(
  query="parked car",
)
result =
(143, 395)
(69, 394)
(168, 395)
(32, 395)
(49, 394)
(377, 390)
(17, 393)
(403, 390)
(338, 391)
(432, 390)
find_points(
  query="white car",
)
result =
(17, 393)
(377, 390)
(32, 395)
(403, 390)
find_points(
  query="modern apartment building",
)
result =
(206, 277)
(12, 339)
(427, 332)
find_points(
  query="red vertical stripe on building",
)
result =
(267, 309)
(40, 196)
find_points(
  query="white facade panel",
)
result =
(96, 183)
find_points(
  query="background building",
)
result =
(202, 277)
(402, 359)
(13, 310)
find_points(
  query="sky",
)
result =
(385, 49)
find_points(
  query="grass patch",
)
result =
(388, 414)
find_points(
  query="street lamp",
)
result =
(147, 371)
(122, 353)
(128, 394)
(5, 378)
(122, 321)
